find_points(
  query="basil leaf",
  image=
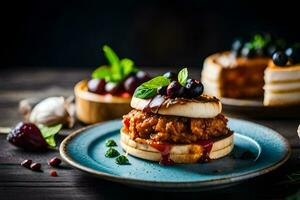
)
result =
(111, 152)
(110, 143)
(159, 81)
(102, 72)
(144, 92)
(149, 88)
(48, 133)
(182, 76)
(114, 61)
(122, 160)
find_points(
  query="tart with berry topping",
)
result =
(239, 73)
(173, 122)
(282, 78)
(108, 94)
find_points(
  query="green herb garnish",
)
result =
(110, 143)
(182, 76)
(149, 88)
(117, 69)
(48, 133)
(122, 160)
(111, 153)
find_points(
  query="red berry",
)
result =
(35, 166)
(27, 136)
(96, 86)
(173, 89)
(54, 162)
(113, 88)
(142, 76)
(53, 173)
(131, 83)
(26, 163)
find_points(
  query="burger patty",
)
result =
(173, 129)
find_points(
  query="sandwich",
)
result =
(173, 122)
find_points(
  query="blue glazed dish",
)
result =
(85, 150)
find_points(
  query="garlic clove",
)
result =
(52, 110)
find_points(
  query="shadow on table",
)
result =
(253, 189)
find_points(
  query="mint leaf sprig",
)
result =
(117, 69)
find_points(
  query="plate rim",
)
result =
(192, 184)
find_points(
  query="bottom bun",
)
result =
(178, 153)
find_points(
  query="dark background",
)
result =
(153, 33)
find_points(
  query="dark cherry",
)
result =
(142, 76)
(26, 163)
(279, 58)
(35, 166)
(162, 90)
(171, 75)
(54, 162)
(96, 86)
(112, 88)
(53, 173)
(173, 89)
(131, 83)
(27, 136)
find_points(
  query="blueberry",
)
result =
(194, 89)
(279, 58)
(162, 90)
(171, 75)
(294, 54)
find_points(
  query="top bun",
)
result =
(205, 107)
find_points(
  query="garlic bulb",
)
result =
(53, 110)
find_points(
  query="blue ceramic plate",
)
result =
(85, 149)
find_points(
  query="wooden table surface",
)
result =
(17, 182)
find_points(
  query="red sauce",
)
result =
(207, 146)
(164, 150)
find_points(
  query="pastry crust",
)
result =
(179, 153)
(207, 108)
(282, 85)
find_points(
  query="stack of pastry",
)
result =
(282, 81)
(255, 70)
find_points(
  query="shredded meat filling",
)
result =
(173, 129)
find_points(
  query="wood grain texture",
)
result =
(17, 182)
